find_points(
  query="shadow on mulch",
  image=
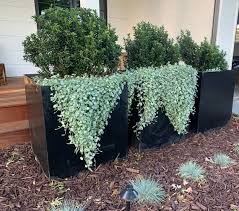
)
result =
(23, 185)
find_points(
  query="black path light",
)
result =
(129, 194)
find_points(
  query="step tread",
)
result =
(13, 94)
(13, 113)
(14, 126)
(12, 138)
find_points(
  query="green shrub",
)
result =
(204, 57)
(189, 50)
(85, 105)
(222, 160)
(72, 41)
(171, 88)
(191, 170)
(149, 191)
(150, 46)
(210, 57)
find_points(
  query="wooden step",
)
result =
(14, 126)
(14, 133)
(13, 114)
(17, 137)
(11, 101)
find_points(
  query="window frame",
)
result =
(73, 4)
(103, 8)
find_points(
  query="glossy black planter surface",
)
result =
(214, 100)
(158, 134)
(50, 145)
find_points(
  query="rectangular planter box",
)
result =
(51, 148)
(214, 100)
(158, 134)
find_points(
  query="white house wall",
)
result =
(175, 15)
(119, 17)
(15, 24)
(91, 4)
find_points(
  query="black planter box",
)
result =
(158, 134)
(214, 100)
(50, 145)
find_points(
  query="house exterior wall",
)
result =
(92, 4)
(119, 14)
(15, 25)
(197, 16)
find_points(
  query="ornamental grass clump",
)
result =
(192, 171)
(222, 160)
(150, 47)
(72, 41)
(236, 148)
(69, 206)
(149, 191)
(85, 105)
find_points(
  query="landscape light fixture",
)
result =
(129, 194)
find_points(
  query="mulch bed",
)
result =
(23, 185)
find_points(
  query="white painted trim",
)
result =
(91, 4)
(225, 37)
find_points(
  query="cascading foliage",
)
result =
(85, 105)
(171, 88)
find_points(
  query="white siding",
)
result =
(175, 15)
(15, 24)
(226, 31)
(91, 4)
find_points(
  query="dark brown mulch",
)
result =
(23, 186)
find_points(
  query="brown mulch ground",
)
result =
(23, 186)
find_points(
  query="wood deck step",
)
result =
(11, 138)
(13, 113)
(14, 125)
(11, 101)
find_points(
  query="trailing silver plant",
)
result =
(171, 88)
(85, 105)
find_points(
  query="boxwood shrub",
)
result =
(150, 46)
(203, 57)
(72, 41)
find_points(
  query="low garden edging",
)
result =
(50, 144)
